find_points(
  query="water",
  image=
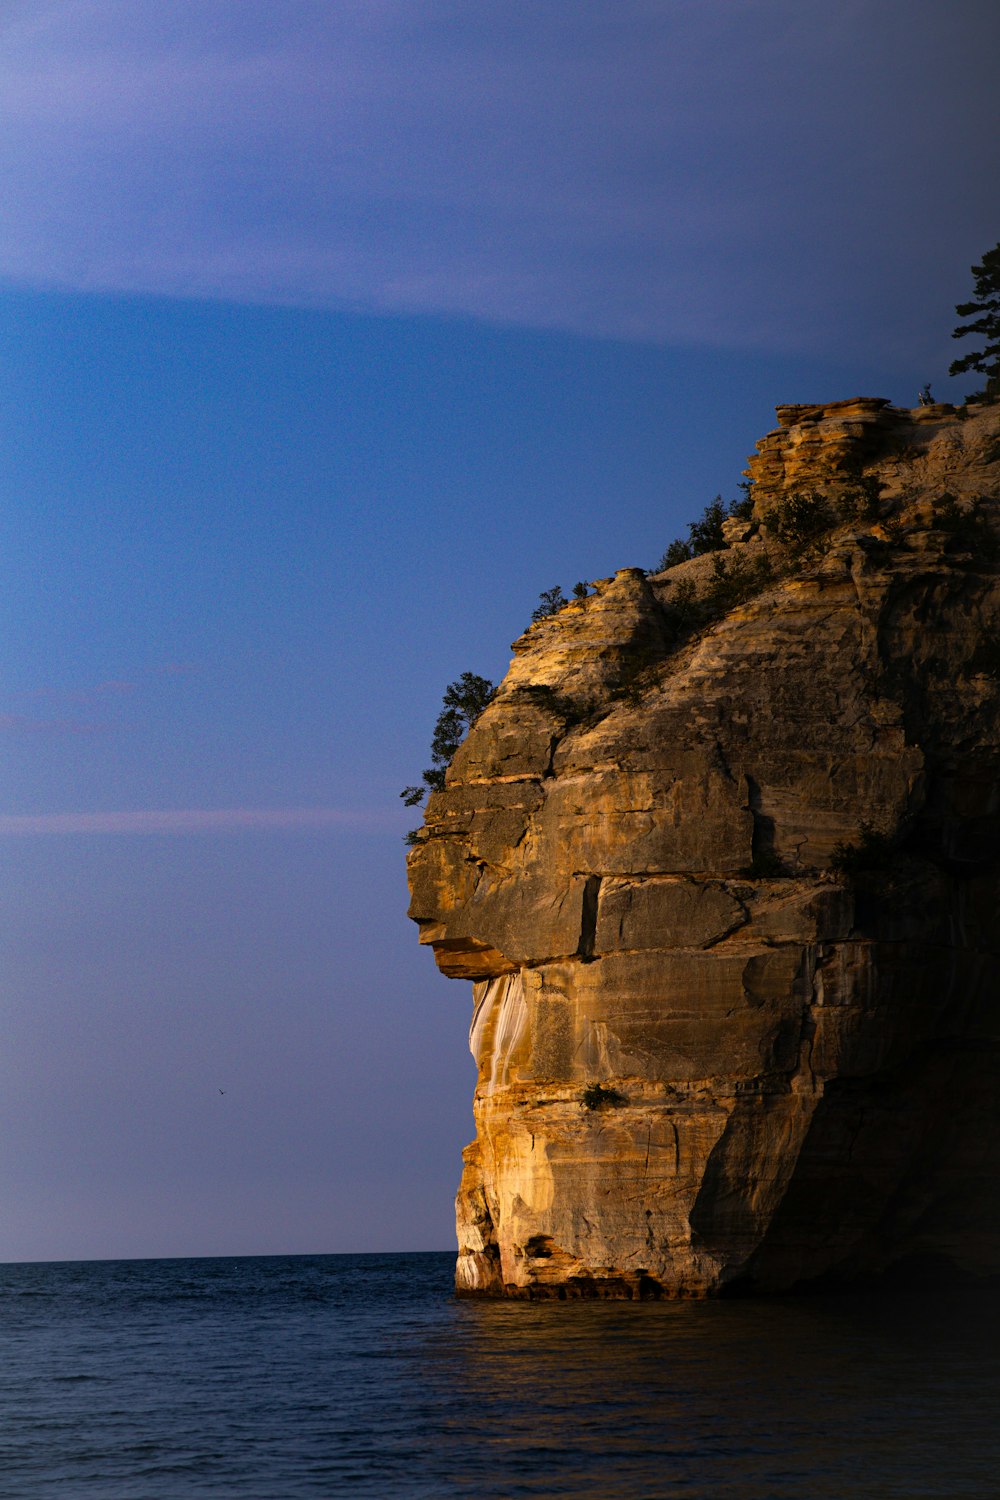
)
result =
(279, 1378)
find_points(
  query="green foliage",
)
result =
(468, 697)
(706, 535)
(541, 695)
(447, 736)
(948, 514)
(464, 700)
(799, 522)
(966, 525)
(743, 509)
(636, 665)
(683, 608)
(863, 499)
(872, 852)
(677, 552)
(550, 602)
(410, 838)
(596, 1096)
(736, 580)
(984, 310)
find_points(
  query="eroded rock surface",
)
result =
(638, 861)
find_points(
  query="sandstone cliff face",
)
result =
(632, 862)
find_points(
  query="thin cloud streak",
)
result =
(198, 820)
(585, 168)
(21, 724)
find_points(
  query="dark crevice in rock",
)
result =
(588, 917)
(764, 860)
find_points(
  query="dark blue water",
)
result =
(362, 1376)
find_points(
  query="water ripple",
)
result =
(321, 1376)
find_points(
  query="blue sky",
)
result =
(332, 335)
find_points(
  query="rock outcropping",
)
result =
(726, 879)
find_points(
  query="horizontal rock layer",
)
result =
(711, 1057)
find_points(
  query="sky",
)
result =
(330, 336)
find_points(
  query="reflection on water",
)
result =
(820, 1397)
(360, 1376)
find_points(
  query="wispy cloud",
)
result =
(103, 695)
(199, 820)
(24, 724)
(690, 170)
(104, 691)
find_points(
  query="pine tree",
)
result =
(984, 310)
(464, 701)
(550, 602)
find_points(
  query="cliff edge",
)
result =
(722, 859)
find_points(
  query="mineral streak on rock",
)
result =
(632, 862)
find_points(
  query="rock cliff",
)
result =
(722, 859)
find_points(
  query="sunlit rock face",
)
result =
(636, 862)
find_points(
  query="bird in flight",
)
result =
(222, 1091)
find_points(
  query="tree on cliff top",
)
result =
(984, 310)
(464, 700)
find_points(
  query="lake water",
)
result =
(340, 1375)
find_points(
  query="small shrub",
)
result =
(736, 581)
(542, 695)
(872, 852)
(968, 526)
(634, 668)
(596, 1096)
(550, 602)
(742, 509)
(410, 837)
(706, 534)
(799, 522)
(677, 552)
(682, 608)
(948, 514)
(863, 499)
